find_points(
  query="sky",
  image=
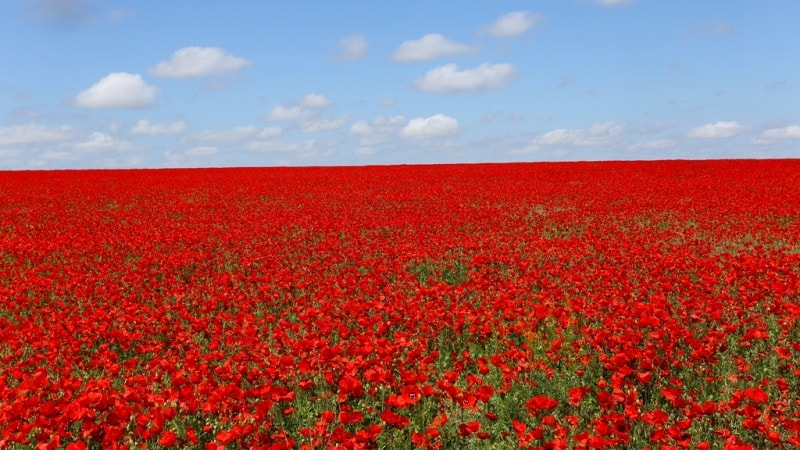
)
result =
(146, 83)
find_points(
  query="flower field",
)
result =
(546, 305)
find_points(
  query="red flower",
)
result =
(411, 394)
(576, 394)
(350, 417)
(484, 393)
(540, 403)
(225, 437)
(467, 429)
(168, 439)
(673, 396)
(351, 387)
(756, 395)
(393, 419)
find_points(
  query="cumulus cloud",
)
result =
(788, 132)
(101, 142)
(270, 132)
(604, 130)
(512, 24)
(282, 112)
(378, 130)
(316, 101)
(561, 136)
(599, 134)
(32, 134)
(298, 109)
(197, 62)
(448, 79)
(118, 90)
(717, 130)
(430, 46)
(352, 48)
(145, 127)
(434, 127)
(320, 124)
(303, 111)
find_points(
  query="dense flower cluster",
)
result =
(572, 305)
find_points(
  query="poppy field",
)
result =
(498, 306)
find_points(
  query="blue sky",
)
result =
(124, 83)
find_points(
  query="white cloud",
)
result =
(201, 151)
(434, 127)
(430, 46)
(599, 134)
(281, 112)
(316, 101)
(196, 62)
(118, 90)
(352, 48)
(270, 132)
(145, 127)
(513, 24)
(788, 132)
(31, 134)
(448, 79)
(321, 124)
(603, 131)
(378, 130)
(378, 123)
(299, 109)
(561, 136)
(101, 142)
(717, 130)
